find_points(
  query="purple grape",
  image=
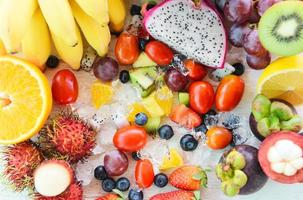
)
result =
(238, 11)
(106, 69)
(175, 80)
(263, 5)
(115, 163)
(254, 17)
(257, 62)
(253, 46)
(237, 34)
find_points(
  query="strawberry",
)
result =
(177, 195)
(109, 197)
(188, 178)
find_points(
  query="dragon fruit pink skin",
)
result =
(179, 24)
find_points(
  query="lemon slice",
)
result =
(283, 79)
(25, 100)
(172, 160)
(101, 94)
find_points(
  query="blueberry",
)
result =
(135, 156)
(52, 61)
(108, 184)
(161, 180)
(188, 142)
(100, 173)
(123, 184)
(135, 10)
(142, 43)
(166, 132)
(239, 69)
(202, 128)
(141, 119)
(135, 195)
(211, 112)
(124, 76)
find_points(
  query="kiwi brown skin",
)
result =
(256, 177)
(253, 122)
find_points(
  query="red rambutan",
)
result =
(67, 137)
(73, 192)
(20, 162)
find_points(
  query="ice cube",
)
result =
(84, 172)
(177, 63)
(240, 135)
(211, 120)
(229, 120)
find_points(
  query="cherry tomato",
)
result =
(144, 173)
(185, 116)
(65, 87)
(229, 93)
(218, 137)
(159, 52)
(196, 71)
(130, 138)
(127, 49)
(201, 96)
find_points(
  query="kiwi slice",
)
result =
(281, 28)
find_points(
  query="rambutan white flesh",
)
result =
(53, 177)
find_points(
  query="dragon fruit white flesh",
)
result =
(195, 31)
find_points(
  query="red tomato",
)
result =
(127, 49)
(144, 173)
(159, 52)
(196, 71)
(229, 93)
(185, 116)
(201, 96)
(218, 137)
(130, 138)
(65, 87)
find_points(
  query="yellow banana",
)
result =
(59, 17)
(70, 55)
(2, 48)
(97, 9)
(14, 19)
(117, 14)
(36, 43)
(98, 36)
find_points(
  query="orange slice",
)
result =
(101, 94)
(25, 100)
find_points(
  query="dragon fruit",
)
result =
(195, 31)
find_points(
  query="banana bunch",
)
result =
(30, 26)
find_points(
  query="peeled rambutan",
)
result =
(67, 137)
(73, 192)
(20, 162)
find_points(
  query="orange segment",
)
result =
(101, 94)
(164, 98)
(25, 100)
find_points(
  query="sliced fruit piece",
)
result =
(143, 79)
(261, 107)
(177, 195)
(144, 61)
(281, 157)
(25, 100)
(173, 160)
(280, 28)
(52, 177)
(185, 116)
(101, 94)
(294, 124)
(153, 124)
(183, 98)
(280, 80)
(164, 98)
(151, 105)
(135, 109)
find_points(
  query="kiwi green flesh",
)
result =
(230, 173)
(281, 28)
